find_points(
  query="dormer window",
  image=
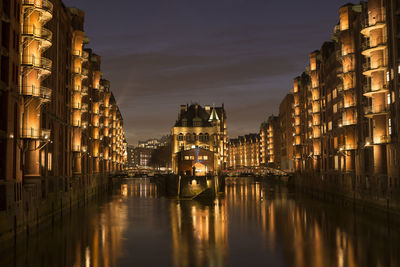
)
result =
(196, 122)
(184, 122)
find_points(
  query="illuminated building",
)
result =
(244, 151)
(63, 132)
(197, 128)
(270, 142)
(286, 125)
(345, 108)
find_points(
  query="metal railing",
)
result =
(38, 91)
(372, 21)
(368, 44)
(38, 62)
(376, 109)
(346, 122)
(41, 33)
(368, 66)
(76, 148)
(33, 133)
(41, 4)
(368, 88)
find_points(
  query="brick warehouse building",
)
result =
(62, 133)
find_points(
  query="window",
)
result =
(206, 137)
(205, 157)
(390, 126)
(335, 108)
(180, 137)
(194, 137)
(200, 137)
(187, 137)
(388, 99)
(187, 158)
(184, 122)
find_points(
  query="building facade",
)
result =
(244, 151)
(62, 129)
(346, 104)
(203, 128)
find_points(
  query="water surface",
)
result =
(254, 224)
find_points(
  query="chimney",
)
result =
(183, 109)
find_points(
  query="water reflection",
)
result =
(254, 224)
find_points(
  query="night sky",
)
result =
(159, 54)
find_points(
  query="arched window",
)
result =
(187, 137)
(194, 137)
(206, 137)
(201, 137)
(180, 137)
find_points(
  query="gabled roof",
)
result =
(194, 112)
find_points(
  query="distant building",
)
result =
(198, 130)
(286, 131)
(244, 151)
(270, 133)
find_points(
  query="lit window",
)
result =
(388, 99)
(390, 126)
(205, 157)
(187, 158)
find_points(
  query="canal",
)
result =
(254, 224)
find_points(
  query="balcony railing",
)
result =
(373, 21)
(346, 122)
(84, 108)
(76, 105)
(76, 148)
(378, 64)
(80, 53)
(347, 147)
(84, 89)
(32, 133)
(37, 62)
(40, 4)
(366, 45)
(376, 109)
(42, 92)
(368, 89)
(40, 33)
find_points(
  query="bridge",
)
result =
(257, 171)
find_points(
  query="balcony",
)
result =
(376, 110)
(32, 133)
(45, 7)
(373, 23)
(43, 92)
(384, 139)
(369, 92)
(41, 63)
(81, 54)
(346, 122)
(76, 105)
(42, 34)
(369, 68)
(76, 148)
(84, 108)
(80, 72)
(347, 147)
(84, 90)
(369, 47)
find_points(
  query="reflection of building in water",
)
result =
(139, 188)
(199, 233)
(102, 237)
